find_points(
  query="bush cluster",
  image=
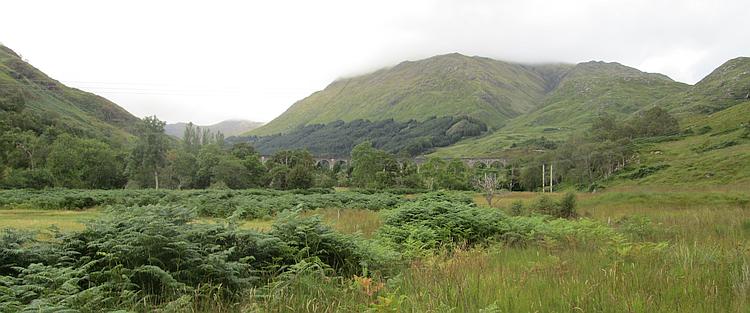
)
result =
(545, 205)
(439, 220)
(252, 203)
(153, 256)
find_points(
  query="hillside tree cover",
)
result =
(36, 151)
(338, 138)
(596, 154)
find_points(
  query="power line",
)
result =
(136, 91)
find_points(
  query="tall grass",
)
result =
(350, 221)
(694, 257)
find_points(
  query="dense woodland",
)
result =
(410, 138)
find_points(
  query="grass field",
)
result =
(43, 219)
(681, 251)
(695, 258)
(343, 220)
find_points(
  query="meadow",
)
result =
(626, 250)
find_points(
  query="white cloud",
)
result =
(209, 61)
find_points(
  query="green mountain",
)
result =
(727, 85)
(590, 88)
(714, 114)
(716, 150)
(447, 85)
(23, 87)
(228, 127)
(584, 91)
(517, 102)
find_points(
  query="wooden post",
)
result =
(550, 178)
(543, 178)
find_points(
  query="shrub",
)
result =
(145, 257)
(706, 146)
(565, 208)
(516, 208)
(25, 178)
(544, 205)
(644, 171)
(438, 224)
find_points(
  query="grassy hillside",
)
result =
(447, 85)
(69, 109)
(727, 85)
(714, 115)
(718, 157)
(584, 91)
(228, 127)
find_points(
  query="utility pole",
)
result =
(543, 178)
(550, 178)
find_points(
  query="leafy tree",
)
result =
(300, 177)
(197, 137)
(606, 127)
(251, 160)
(243, 150)
(184, 168)
(289, 169)
(277, 175)
(206, 137)
(530, 176)
(149, 154)
(233, 173)
(513, 173)
(26, 178)
(655, 122)
(292, 158)
(652, 122)
(84, 163)
(409, 177)
(189, 140)
(208, 158)
(23, 147)
(455, 176)
(432, 172)
(364, 164)
(219, 139)
(373, 168)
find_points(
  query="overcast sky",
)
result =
(214, 60)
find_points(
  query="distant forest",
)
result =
(409, 138)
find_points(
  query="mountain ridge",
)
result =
(493, 91)
(231, 127)
(444, 85)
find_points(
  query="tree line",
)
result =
(202, 159)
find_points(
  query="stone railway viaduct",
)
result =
(330, 162)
